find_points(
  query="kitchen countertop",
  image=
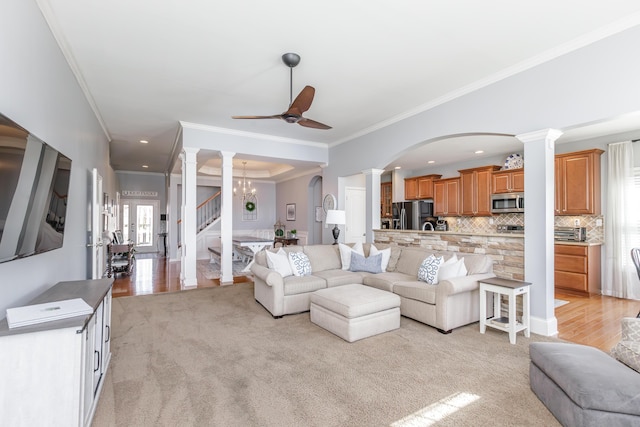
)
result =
(462, 233)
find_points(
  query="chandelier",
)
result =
(244, 186)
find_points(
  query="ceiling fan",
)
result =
(299, 105)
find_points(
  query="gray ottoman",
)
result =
(353, 312)
(583, 386)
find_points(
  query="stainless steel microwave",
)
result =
(507, 203)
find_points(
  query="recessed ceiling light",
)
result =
(145, 166)
(398, 167)
(479, 152)
(431, 161)
(144, 141)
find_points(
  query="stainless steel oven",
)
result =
(507, 203)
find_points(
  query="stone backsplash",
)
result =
(488, 225)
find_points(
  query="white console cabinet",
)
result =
(52, 373)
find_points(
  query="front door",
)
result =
(356, 216)
(140, 220)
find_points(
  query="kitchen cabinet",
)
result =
(446, 197)
(386, 197)
(577, 268)
(508, 181)
(53, 372)
(419, 187)
(475, 191)
(577, 183)
(411, 188)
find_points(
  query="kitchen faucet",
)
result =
(427, 225)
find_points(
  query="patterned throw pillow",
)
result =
(300, 264)
(428, 271)
(372, 264)
(627, 350)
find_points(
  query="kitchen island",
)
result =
(506, 249)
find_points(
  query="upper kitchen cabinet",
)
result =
(508, 181)
(419, 187)
(386, 200)
(446, 197)
(578, 183)
(475, 190)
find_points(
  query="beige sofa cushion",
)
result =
(294, 285)
(341, 277)
(323, 257)
(416, 290)
(477, 264)
(410, 261)
(387, 280)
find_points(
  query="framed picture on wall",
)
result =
(291, 212)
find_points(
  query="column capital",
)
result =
(548, 135)
(373, 171)
(226, 154)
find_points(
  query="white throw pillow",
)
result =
(386, 255)
(449, 270)
(300, 264)
(279, 261)
(345, 253)
(428, 271)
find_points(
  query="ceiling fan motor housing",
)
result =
(291, 59)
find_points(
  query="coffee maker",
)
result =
(442, 225)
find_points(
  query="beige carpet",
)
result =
(214, 357)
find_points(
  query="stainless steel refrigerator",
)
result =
(411, 215)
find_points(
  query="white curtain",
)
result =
(621, 224)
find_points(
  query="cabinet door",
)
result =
(385, 200)
(501, 182)
(410, 188)
(578, 192)
(483, 193)
(468, 190)
(453, 196)
(439, 199)
(106, 332)
(517, 181)
(425, 188)
(90, 364)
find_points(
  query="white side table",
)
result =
(511, 288)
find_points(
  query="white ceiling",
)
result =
(145, 65)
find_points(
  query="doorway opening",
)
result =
(140, 223)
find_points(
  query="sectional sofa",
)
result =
(449, 304)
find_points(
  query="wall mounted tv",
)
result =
(34, 186)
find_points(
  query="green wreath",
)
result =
(250, 206)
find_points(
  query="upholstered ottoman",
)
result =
(583, 386)
(353, 312)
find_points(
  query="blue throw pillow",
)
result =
(373, 264)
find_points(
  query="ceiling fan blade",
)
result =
(312, 124)
(302, 102)
(277, 116)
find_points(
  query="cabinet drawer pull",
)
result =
(108, 338)
(96, 353)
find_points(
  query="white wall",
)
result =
(39, 92)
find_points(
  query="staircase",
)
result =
(207, 215)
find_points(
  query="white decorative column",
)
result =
(539, 184)
(372, 177)
(172, 218)
(189, 233)
(226, 219)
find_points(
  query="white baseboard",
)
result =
(546, 327)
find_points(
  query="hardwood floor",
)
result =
(593, 321)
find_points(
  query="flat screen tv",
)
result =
(34, 187)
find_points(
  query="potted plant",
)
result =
(293, 233)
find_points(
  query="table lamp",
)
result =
(337, 218)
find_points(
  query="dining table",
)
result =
(254, 244)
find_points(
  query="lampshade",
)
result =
(336, 217)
